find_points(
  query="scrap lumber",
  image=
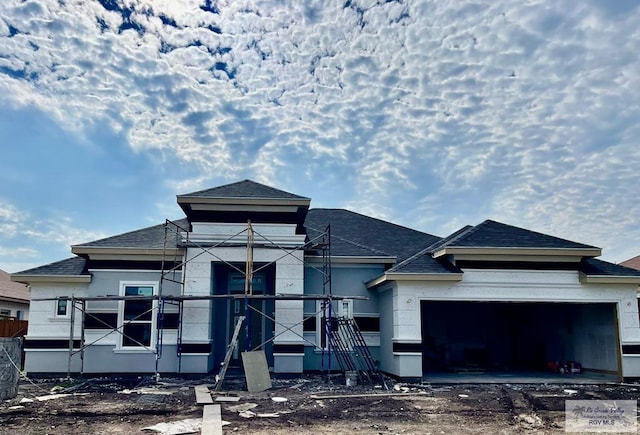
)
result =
(211, 420)
(203, 396)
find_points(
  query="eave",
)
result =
(244, 201)
(28, 279)
(120, 253)
(14, 300)
(608, 279)
(518, 254)
(395, 276)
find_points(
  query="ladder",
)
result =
(351, 350)
(232, 345)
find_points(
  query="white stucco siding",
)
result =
(514, 286)
(43, 322)
(289, 279)
(497, 286)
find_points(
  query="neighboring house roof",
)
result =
(244, 189)
(633, 263)
(12, 291)
(354, 234)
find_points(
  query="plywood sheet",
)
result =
(256, 371)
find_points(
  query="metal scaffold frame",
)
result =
(178, 263)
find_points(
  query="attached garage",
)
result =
(462, 336)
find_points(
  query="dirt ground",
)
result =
(312, 406)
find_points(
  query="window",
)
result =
(138, 317)
(4, 312)
(62, 307)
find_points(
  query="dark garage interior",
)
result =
(519, 336)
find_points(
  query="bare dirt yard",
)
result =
(306, 405)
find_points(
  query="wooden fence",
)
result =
(12, 327)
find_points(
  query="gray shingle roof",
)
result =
(70, 266)
(146, 238)
(353, 234)
(244, 189)
(593, 266)
(492, 234)
(424, 263)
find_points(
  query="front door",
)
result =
(252, 332)
(257, 331)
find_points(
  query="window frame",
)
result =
(56, 309)
(152, 322)
(320, 332)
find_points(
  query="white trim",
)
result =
(399, 276)
(470, 252)
(28, 279)
(67, 311)
(127, 350)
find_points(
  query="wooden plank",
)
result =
(211, 420)
(203, 396)
(227, 399)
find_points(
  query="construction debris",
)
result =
(188, 425)
(203, 396)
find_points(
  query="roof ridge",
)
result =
(438, 244)
(223, 185)
(455, 236)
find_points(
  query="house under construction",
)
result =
(327, 289)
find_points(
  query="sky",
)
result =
(429, 114)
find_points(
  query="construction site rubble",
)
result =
(311, 404)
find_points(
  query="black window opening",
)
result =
(138, 317)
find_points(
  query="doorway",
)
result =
(257, 331)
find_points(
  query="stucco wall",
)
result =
(498, 285)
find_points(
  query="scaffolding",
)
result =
(173, 270)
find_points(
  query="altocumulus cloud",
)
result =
(454, 110)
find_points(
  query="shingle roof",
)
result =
(69, 267)
(492, 234)
(12, 290)
(593, 266)
(353, 234)
(146, 238)
(424, 263)
(244, 189)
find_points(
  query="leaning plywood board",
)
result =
(203, 396)
(256, 371)
(211, 420)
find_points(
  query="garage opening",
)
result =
(513, 336)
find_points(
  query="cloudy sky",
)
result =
(431, 114)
